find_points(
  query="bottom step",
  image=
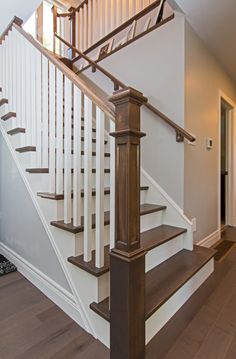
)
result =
(165, 280)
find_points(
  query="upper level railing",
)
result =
(94, 22)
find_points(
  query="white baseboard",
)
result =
(57, 294)
(210, 240)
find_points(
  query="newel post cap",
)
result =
(128, 94)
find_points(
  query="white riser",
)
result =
(161, 317)
(160, 254)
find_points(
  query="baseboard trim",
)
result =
(57, 294)
(210, 240)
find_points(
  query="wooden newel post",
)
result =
(127, 259)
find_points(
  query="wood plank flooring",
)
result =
(32, 327)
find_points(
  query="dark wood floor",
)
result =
(32, 327)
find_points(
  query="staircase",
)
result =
(85, 189)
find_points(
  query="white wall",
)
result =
(203, 82)
(21, 229)
(154, 64)
(21, 8)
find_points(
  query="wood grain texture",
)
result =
(69, 227)
(149, 240)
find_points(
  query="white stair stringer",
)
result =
(174, 214)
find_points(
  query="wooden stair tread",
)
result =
(166, 279)
(149, 240)
(58, 197)
(106, 154)
(15, 131)
(144, 209)
(46, 170)
(82, 139)
(26, 149)
(3, 101)
(8, 115)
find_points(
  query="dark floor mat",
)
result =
(6, 266)
(222, 249)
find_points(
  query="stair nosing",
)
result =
(60, 197)
(8, 115)
(98, 272)
(46, 170)
(26, 149)
(16, 131)
(79, 229)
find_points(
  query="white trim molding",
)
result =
(60, 296)
(210, 240)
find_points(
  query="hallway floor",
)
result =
(32, 327)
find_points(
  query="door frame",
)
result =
(230, 209)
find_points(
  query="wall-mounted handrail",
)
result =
(117, 83)
(180, 132)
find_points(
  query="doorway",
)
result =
(224, 136)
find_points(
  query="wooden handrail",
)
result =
(117, 83)
(180, 132)
(92, 92)
(16, 20)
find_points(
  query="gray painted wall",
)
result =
(20, 226)
(204, 79)
(154, 64)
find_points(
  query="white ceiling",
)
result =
(215, 23)
(21, 8)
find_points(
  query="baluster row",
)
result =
(50, 109)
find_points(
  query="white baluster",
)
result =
(77, 33)
(125, 10)
(81, 31)
(45, 110)
(113, 15)
(96, 22)
(10, 81)
(85, 12)
(77, 178)
(14, 68)
(23, 88)
(7, 68)
(59, 138)
(28, 93)
(138, 5)
(100, 128)
(102, 17)
(107, 16)
(38, 107)
(132, 8)
(52, 128)
(87, 178)
(32, 103)
(67, 149)
(90, 23)
(18, 79)
(112, 186)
